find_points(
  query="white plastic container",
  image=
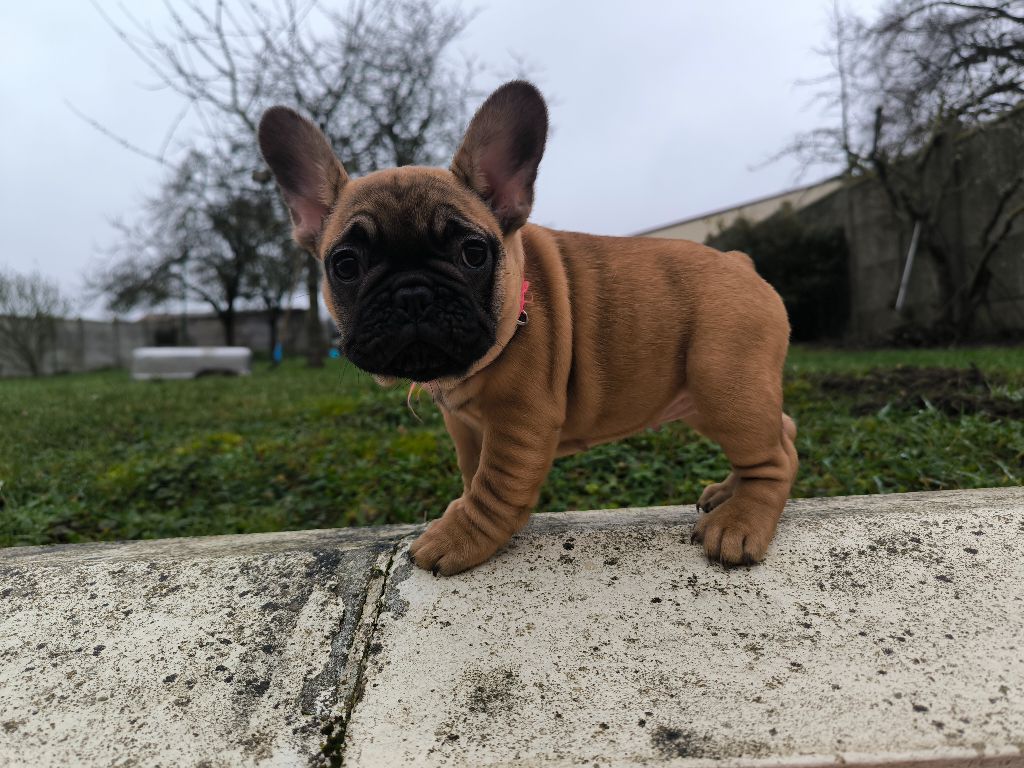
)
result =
(189, 362)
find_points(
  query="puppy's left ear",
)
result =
(501, 150)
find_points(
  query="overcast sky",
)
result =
(676, 103)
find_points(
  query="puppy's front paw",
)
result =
(734, 535)
(452, 543)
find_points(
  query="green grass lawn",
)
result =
(98, 456)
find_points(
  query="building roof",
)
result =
(756, 209)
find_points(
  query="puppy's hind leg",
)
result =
(717, 494)
(739, 402)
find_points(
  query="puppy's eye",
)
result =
(474, 253)
(344, 265)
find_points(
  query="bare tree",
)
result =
(205, 236)
(30, 308)
(273, 280)
(907, 86)
(379, 78)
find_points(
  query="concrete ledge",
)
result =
(882, 630)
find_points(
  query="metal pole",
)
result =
(901, 296)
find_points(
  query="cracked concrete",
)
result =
(228, 650)
(883, 630)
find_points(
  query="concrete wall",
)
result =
(90, 345)
(87, 345)
(881, 631)
(990, 160)
(879, 241)
(252, 330)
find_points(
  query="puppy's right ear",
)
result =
(306, 169)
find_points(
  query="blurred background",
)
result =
(868, 155)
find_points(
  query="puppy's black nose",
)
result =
(414, 300)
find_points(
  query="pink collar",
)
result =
(523, 317)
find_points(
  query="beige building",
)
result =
(699, 228)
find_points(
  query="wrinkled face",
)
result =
(410, 258)
(416, 259)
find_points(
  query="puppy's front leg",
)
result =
(514, 461)
(467, 448)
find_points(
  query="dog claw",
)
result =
(436, 569)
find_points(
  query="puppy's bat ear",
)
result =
(501, 150)
(306, 169)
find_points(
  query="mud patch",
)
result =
(490, 707)
(675, 742)
(683, 742)
(953, 391)
(493, 691)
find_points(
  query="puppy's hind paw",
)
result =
(716, 494)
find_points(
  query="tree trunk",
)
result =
(227, 320)
(314, 333)
(948, 299)
(975, 297)
(36, 335)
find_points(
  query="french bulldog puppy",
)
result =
(537, 343)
